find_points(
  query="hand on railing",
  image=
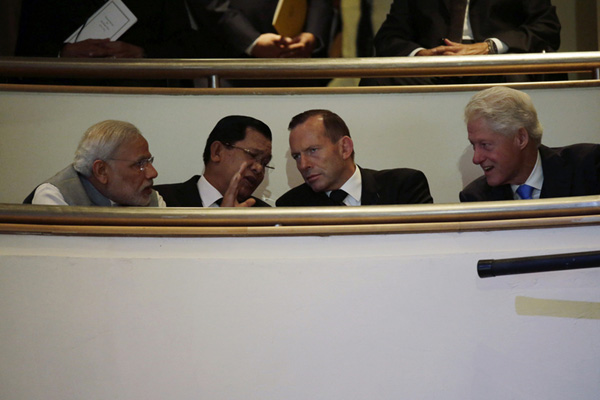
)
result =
(101, 48)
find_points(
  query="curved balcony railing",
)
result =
(216, 69)
(574, 211)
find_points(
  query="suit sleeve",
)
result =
(163, 28)
(319, 20)
(396, 36)
(164, 31)
(228, 23)
(526, 26)
(464, 197)
(42, 36)
(240, 32)
(415, 189)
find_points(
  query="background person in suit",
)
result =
(246, 27)
(324, 152)
(506, 135)
(428, 28)
(163, 30)
(236, 156)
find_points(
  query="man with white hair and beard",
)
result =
(112, 167)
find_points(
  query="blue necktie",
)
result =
(525, 191)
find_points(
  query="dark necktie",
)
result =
(457, 20)
(364, 32)
(218, 202)
(524, 192)
(337, 197)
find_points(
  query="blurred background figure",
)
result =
(163, 30)
(245, 29)
(360, 20)
(463, 27)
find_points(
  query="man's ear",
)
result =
(347, 146)
(216, 151)
(100, 171)
(522, 138)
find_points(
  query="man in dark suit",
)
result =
(324, 152)
(247, 28)
(162, 30)
(506, 135)
(445, 27)
(236, 156)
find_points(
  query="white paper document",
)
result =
(111, 21)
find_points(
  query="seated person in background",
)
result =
(461, 27)
(163, 30)
(324, 152)
(112, 167)
(236, 156)
(506, 135)
(246, 28)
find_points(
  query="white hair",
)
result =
(505, 110)
(100, 142)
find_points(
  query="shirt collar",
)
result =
(353, 187)
(208, 193)
(535, 180)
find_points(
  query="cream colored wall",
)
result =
(336, 317)
(39, 132)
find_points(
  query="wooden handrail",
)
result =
(26, 67)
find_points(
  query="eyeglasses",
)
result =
(142, 164)
(263, 161)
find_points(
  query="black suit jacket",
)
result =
(390, 186)
(186, 194)
(163, 28)
(568, 171)
(526, 26)
(240, 22)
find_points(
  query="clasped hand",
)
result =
(271, 45)
(450, 48)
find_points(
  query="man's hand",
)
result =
(459, 49)
(269, 45)
(451, 48)
(124, 50)
(300, 46)
(101, 48)
(230, 196)
(86, 48)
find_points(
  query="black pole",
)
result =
(526, 265)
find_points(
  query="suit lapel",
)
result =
(321, 199)
(369, 195)
(502, 192)
(191, 193)
(557, 175)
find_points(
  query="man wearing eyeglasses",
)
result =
(112, 167)
(324, 152)
(236, 158)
